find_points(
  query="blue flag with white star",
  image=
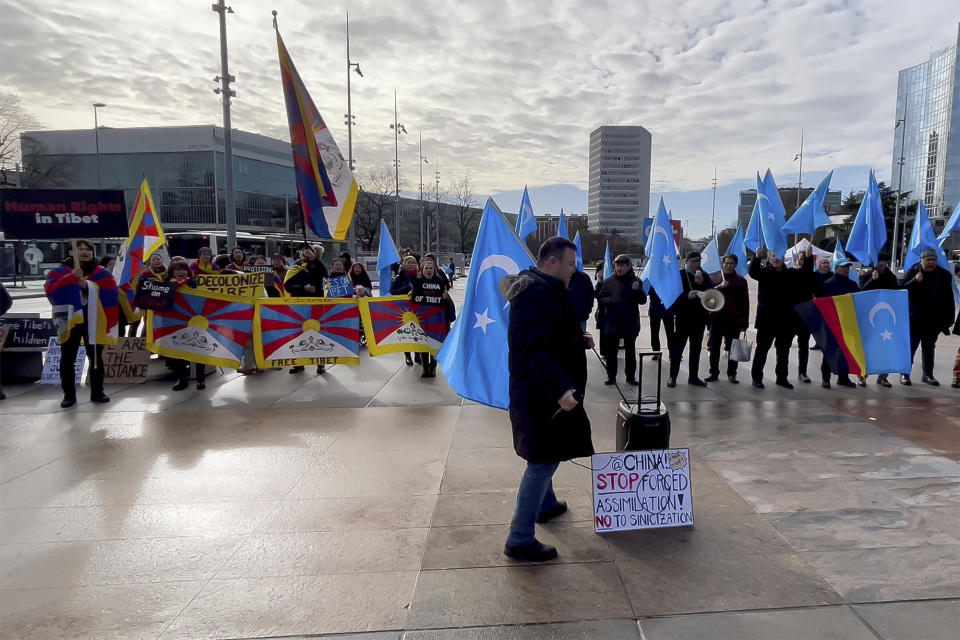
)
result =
(953, 224)
(883, 317)
(662, 270)
(736, 248)
(772, 216)
(869, 231)
(576, 241)
(526, 222)
(386, 256)
(607, 262)
(474, 356)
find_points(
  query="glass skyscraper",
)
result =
(927, 134)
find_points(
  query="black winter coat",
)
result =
(310, 273)
(621, 305)
(838, 285)
(581, 295)
(931, 300)
(656, 308)
(402, 284)
(690, 313)
(886, 280)
(547, 359)
(774, 294)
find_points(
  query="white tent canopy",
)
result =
(799, 248)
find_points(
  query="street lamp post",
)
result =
(348, 120)
(397, 128)
(424, 239)
(902, 123)
(96, 138)
(224, 90)
(438, 207)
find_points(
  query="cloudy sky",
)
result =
(508, 91)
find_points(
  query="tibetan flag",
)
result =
(394, 324)
(863, 333)
(63, 291)
(306, 331)
(145, 237)
(202, 326)
(325, 184)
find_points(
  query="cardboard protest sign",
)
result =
(306, 331)
(240, 285)
(393, 324)
(202, 326)
(642, 490)
(51, 363)
(27, 334)
(126, 362)
(35, 214)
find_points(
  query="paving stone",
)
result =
(592, 630)
(823, 623)
(930, 620)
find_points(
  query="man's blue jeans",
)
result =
(533, 498)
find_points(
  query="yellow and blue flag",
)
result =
(325, 183)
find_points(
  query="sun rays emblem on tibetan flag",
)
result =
(146, 236)
(202, 326)
(394, 324)
(306, 331)
(325, 183)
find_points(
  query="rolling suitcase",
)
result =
(646, 424)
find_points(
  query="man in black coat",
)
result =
(621, 296)
(729, 322)
(692, 321)
(806, 284)
(838, 285)
(659, 314)
(774, 320)
(931, 310)
(548, 377)
(582, 296)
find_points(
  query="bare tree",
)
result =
(41, 170)
(14, 120)
(374, 202)
(465, 212)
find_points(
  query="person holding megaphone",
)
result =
(691, 321)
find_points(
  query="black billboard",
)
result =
(42, 214)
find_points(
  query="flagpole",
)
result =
(902, 123)
(224, 90)
(713, 210)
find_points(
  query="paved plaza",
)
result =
(371, 502)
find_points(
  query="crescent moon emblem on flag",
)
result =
(882, 306)
(657, 230)
(497, 260)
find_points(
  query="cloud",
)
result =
(504, 90)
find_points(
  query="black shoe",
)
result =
(425, 374)
(550, 514)
(181, 385)
(846, 382)
(785, 384)
(713, 377)
(408, 359)
(416, 357)
(321, 369)
(804, 378)
(696, 382)
(671, 382)
(930, 380)
(102, 398)
(825, 384)
(632, 381)
(905, 380)
(733, 379)
(201, 386)
(67, 402)
(758, 384)
(296, 369)
(861, 381)
(536, 551)
(609, 381)
(955, 384)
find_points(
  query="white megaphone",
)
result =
(711, 299)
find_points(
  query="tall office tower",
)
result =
(619, 196)
(926, 137)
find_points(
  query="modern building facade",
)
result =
(926, 137)
(619, 181)
(185, 169)
(788, 195)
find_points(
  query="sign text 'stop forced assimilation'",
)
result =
(51, 214)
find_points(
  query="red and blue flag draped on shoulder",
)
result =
(63, 291)
(202, 326)
(306, 331)
(146, 237)
(325, 184)
(394, 324)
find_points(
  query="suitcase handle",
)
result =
(658, 357)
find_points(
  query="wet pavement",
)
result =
(371, 501)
